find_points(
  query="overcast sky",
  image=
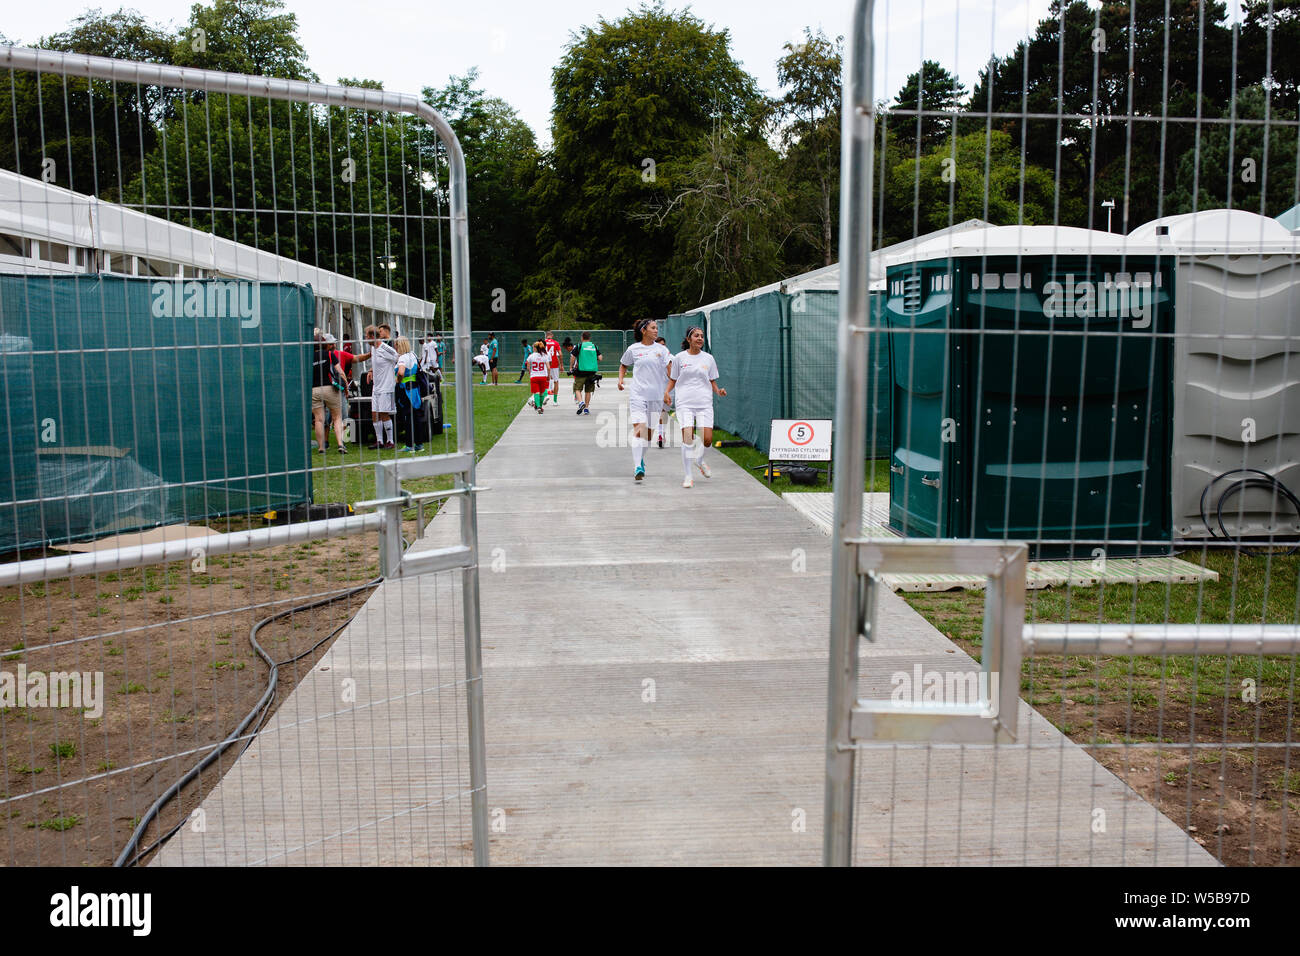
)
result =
(516, 43)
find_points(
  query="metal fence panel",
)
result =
(1113, 404)
(229, 642)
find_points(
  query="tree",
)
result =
(729, 217)
(932, 89)
(1232, 169)
(502, 162)
(244, 36)
(809, 114)
(86, 135)
(1270, 33)
(1108, 72)
(634, 100)
(978, 177)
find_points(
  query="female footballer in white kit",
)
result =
(694, 374)
(648, 361)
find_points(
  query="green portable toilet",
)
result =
(1031, 390)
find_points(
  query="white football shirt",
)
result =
(649, 365)
(693, 373)
(539, 366)
(385, 358)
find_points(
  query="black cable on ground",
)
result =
(129, 856)
(1259, 479)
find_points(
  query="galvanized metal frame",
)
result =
(465, 556)
(857, 143)
(990, 719)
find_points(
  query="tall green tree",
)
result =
(1270, 36)
(808, 115)
(634, 101)
(931, 89)
(90, 136)
(730, 219)
(980, 176)
(257, 37)
(1231, 168)
(1126, 81)
(502, 163)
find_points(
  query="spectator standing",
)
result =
(326, 392)
(523, 364)
(410, 403)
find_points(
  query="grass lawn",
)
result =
(1249, 590)
(351, 477)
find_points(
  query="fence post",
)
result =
(857, 140)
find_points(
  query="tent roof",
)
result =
(38, 210)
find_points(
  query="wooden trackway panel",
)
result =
(655, 679)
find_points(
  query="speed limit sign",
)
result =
(800, 439)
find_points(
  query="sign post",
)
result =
(799, 439)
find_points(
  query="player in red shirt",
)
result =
(553, 350)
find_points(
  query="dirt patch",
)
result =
(1236, 792)
(1240, 803)
(178, 672)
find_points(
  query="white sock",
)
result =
(379, 431)
(686, 459)
(659, 430)
(699, 457)
(638, 452)
(388, 431)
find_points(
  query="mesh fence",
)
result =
(233, 635)
(515, 344)
(1091, 447)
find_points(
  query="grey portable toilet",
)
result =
(1236, 409)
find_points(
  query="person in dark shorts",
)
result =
(586, 363)
(494, 355)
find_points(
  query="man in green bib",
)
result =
(586, 362)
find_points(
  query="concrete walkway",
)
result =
(655, 678)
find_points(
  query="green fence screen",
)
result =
(132, 403)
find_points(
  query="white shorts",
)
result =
(555, 375)
(695, 417)
(643, 411)
(384, 402)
